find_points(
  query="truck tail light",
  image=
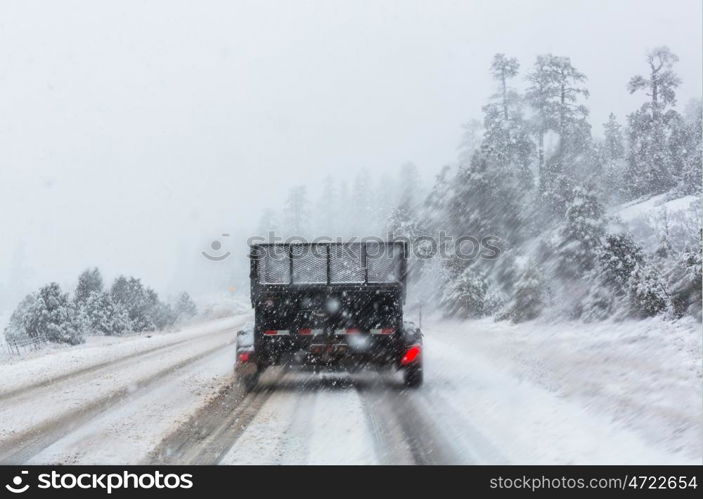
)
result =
(411, 355)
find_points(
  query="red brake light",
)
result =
(244, 356)
(353, 330)
(412, 354)
(271, 331)
(387, 330)
(305, 331)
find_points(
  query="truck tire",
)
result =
(249, 381)
(413, 377)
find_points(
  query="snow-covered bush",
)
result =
(582, 234)
(89, 282)
(618, 258)
(465, 295)
(139, 302)
(647, 294)
(185, 307)
(529, 298)
(684, 283)
(104, 315)
(18, 328)
(47, 315)
(598, 305)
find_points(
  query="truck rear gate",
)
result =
(333, 304)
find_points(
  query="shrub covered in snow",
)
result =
(582, 233)
(47, 315)
(647, 294)
(50, 315)
(185, 307)
(684, 283)
(104, 316)
(618, 258)
(529, 298)
(465, 295)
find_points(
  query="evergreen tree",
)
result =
(363, 222)
(52, 317)
(90, 281)
(326, 212)
(529, 298)
(618, 258)
(555, 93)
(647, 293)
(297, 213)
(104, 316)
(185, 306)
(268, 224)
(465, 296)
(582, 233)
(649, 163)
(19, 326)
(139, 302)
(613, 154)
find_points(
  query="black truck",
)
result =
(331, 306)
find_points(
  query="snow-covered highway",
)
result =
(172, 398)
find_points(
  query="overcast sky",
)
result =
(132, 133)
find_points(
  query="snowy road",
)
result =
(172, 399)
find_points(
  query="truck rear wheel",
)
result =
(413, 377)
(249, 381)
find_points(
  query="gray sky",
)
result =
(132, 133)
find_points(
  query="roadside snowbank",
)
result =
(58, 360)
(634, 385)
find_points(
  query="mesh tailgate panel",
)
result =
(310, 265)
(383, 261)
(274, 266)
(345, 264)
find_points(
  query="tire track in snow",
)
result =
(207, 436)
(26, 390)
(24, 445)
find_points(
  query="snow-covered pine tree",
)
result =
(362, 223)
(582, 233)
(104, 315)
(326, 212)
(618, 257)
(555, 93)
(296, 214)
(138, 301)
(52, 316)
(19, 325)
(185, 307)
(686, 149)
(464, 297)
(90, 281)
(649, 162)
(268, 224)
(647, 292)
(529, 298)
(684, 281)
(613, 154)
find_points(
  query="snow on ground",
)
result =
(127, 433)
(133, 390)
(639, 208)
(540, 392)
(57, 360)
